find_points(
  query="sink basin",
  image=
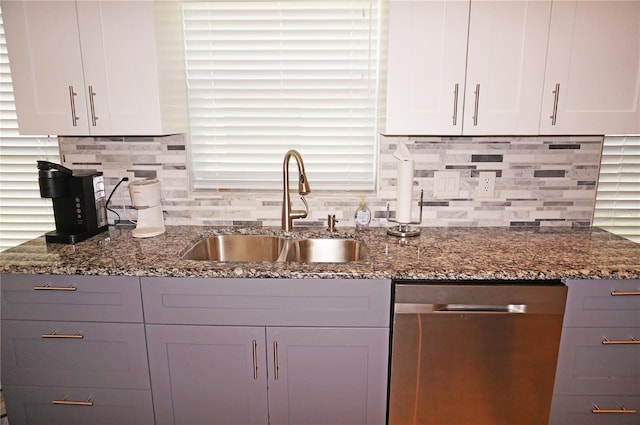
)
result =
(236, 248)
(260, 248)
(326, 251)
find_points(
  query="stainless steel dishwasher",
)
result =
(477, 353)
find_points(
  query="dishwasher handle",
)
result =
(408, 308)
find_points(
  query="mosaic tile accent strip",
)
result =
(540, 182)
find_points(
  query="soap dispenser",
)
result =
(362, 216)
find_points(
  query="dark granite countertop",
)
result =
(456, 253)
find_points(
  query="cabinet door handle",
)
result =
(621, 410)
(55, 288)
(275, 360)
(556, 95)
(54, 334)
(616, 293)
(94, 118)
(455, 104)
(254, 349)
(475, 110)
(631, 340)
(64, 402)
(72, 99)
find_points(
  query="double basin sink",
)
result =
(269, 248)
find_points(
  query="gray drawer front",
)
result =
(590, 303)
(95, 298)
(577, 410)
(267, 302)
(587, 366)
(110, 355)
(34, 406)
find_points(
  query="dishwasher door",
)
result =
(474, 354)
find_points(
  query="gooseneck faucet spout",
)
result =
(303, 188)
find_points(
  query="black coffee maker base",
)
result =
(57, 237)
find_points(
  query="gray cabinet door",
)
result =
(208, 375)
(74, 354)
(596, 303)
(78, 406)
(323, 376)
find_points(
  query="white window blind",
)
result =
(268, 76)
(23, 214)
(618, 198)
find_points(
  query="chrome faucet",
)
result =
(303, 188)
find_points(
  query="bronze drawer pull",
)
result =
(631, 340)
(621, 410)
(55, 288)
(617, 293)
(54, 334)
(65, 402)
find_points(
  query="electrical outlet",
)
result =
(487, 184)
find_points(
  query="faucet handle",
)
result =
(306, 206)
(331, 222)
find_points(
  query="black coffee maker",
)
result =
(79, 203)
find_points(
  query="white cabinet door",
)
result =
(46, 66)
(505, 66)
(594, 61)
(116, 65)
(426, 66)
(332, 376)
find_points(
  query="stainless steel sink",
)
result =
(261, 248)
(326, 251)
(236, 248)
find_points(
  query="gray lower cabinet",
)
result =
(268, 351)
(598, 372)
(73, 350)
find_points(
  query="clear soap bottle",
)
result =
(362, 216)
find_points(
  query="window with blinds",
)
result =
(618, 198)
(268, 76)
(23, 214)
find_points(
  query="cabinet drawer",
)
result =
(267, 302)
(74, 354)
(35, 406)
(568, 410)
(70, 297)
(591, 303)
(586, 365)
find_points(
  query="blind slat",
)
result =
(618, 198)
(268, 76)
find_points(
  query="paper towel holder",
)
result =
(403, 230)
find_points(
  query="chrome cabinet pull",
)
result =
(54, 334)
(72, 99)
(556, 95)
(64, 402)
(475, 111)
(254, 346)
(616, 293)
(94, 118)
(55, 288)
(631, 340)
(275, 360)
(455, 104)
(621, 410)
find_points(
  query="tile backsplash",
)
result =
(540, 181)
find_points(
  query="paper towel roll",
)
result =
(405, 184)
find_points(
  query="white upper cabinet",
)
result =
(426, 66)
(96, 67)
(505, 66)
(439, 85)
(592, 82)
